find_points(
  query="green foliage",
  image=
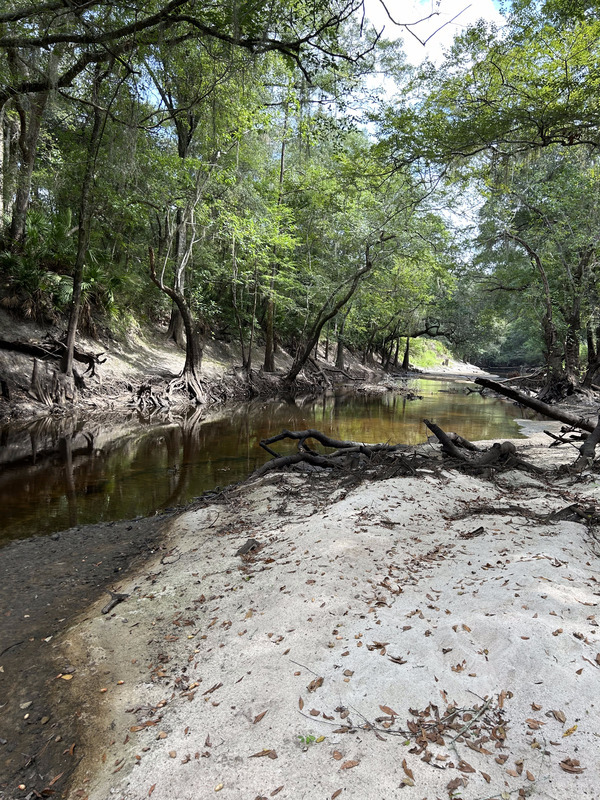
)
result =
(428, 353)
(307, 739)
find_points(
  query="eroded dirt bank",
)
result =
(433, 635)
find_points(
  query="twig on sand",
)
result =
(471, 722)
(298, 664)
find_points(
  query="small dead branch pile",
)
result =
(347, 455)
(383, 460)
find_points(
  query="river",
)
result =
(62, 472)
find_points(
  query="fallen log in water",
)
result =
(537, 405)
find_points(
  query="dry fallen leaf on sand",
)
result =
(407, 771)
(258, 717)
(349, 764)
(314, 685)
(571, 765)
(266, 752)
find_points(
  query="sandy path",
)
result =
(412, 661)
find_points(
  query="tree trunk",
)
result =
(328, 311)
(195, 333)
(176, 329)
(269, 362)
(3, 161)
(537, 405)
(84, 230)
(30, 124)
(406, 359)
(593, 365)
(397, 347)
(339, 356)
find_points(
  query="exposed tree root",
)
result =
(385, 460)
(573, 512)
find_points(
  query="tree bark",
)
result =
(269, 362)
(339, 356)
(176, 329)
(30, 124)
(406, 359)
(587, 451)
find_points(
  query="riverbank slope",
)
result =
(145, 358)
(423, 633)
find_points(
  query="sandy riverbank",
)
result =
(433, 664)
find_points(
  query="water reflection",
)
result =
(59, 473)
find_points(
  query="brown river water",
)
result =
(57, 473)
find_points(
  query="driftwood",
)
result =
(567, 436)
(497, 451)
(116, 598)
(458, 440)
(347, 454)
(573, 513)
(587, 451)
(537, 405)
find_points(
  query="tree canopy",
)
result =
(285, 196)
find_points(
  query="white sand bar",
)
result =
(413, 662)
